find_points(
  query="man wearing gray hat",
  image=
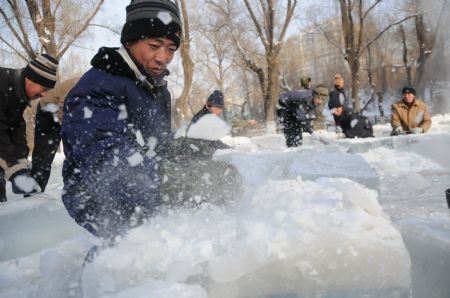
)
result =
(116, 124)
(17, 88)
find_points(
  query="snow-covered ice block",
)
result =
(307, 164)
(428, 242)
(293, 238)
(32, 224)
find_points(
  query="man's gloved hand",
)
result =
(23, 183)
(416, 130)
(399, 130)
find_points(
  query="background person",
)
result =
(17, 88)
(409, 115)
(214, 105)
(353, 125)
(338, 93)
(295, 112)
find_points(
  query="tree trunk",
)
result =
(405, 56)
(181, 103)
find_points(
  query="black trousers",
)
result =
(293, 134)
(46, 142)
(2, 186)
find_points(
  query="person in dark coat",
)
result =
(338, 93)
(296, 112)
(214, 105)
(17, 88)
(353, 125)
(116, 124)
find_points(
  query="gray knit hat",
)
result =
(42, 70)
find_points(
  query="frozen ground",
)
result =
(344, 219)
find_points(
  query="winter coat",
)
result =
(13, 101)
(114, 132)
(354, 125)
(410, 117)
(204, 111)
(338, 97)
(295, 114)
(297, 106)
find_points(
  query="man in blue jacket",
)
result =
(295, 112)
(116, 124)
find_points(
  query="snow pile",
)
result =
(293, 236)
(208, 127)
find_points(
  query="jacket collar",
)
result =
(19, 86)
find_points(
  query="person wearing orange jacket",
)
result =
(409, 115)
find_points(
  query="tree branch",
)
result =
(76, 35)
(257, 25)
(386, 29)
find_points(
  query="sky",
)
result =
(324, 219)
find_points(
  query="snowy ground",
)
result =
(343, 219)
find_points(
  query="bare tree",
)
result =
(50, 26)
(181, 103)
(271, 33)
(354, 16)
(426, 37)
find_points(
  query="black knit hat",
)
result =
(151, 18)
(42, 70)
(216, 99)
(409, 89)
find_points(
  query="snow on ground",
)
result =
(323, 220)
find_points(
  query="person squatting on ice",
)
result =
(116, 124)
(18, 87)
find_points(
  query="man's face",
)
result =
(34, 90)
(408, 97)
(339, 81)
(154, 54)
(317, 100)
(215, 110)
(338, 111)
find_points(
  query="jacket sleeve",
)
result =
(395, 117)
(426, 124)
(13, 144)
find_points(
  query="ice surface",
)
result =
(257, 168)
(32, 225)
(308, 225)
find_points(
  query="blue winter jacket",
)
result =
(114, 132)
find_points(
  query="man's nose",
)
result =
(163, 55)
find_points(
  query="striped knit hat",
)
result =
(42, 70)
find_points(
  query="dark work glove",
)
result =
(23, 183)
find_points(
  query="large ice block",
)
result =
(428, 242)
(32, 224)
(307, 164)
